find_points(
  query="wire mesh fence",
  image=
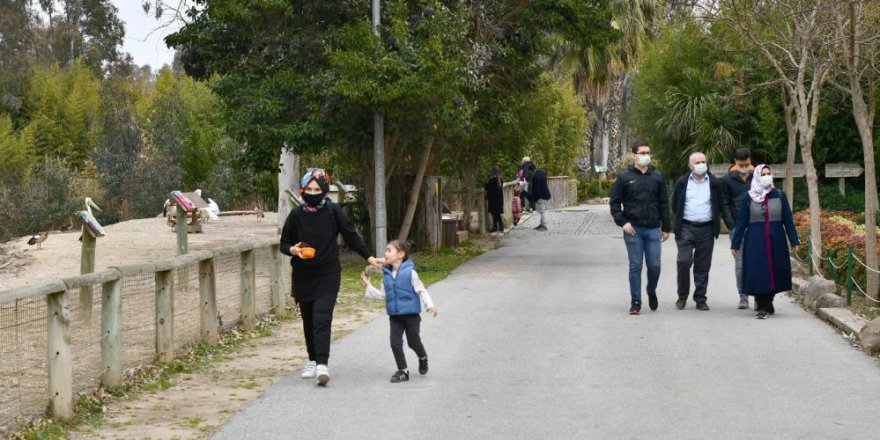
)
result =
(24, 338)
(23, 375)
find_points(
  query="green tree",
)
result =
(62, 106)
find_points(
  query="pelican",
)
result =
(38, 239)
(91, 204)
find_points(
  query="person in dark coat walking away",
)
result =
(735, 187)
(540, 195)
(525, 175)
(640, 206)
(404, 295)
(495, 196)
(696, 204)
(309, 237)
(764, 229)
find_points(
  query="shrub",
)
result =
(596, 188)
(840, 229)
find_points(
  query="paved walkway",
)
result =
(534, 341)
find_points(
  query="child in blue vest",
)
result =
(404, 294)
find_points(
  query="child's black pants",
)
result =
(409, 324)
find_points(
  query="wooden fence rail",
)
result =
(59, 361)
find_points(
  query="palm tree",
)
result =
(596, 69)
(699, 118)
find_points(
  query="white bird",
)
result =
(213, 210)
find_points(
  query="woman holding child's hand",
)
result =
(309, 237)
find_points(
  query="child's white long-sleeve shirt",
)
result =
(418, 286)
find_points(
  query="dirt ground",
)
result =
(131, 242)
(199, 403)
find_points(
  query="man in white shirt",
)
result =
(696, 205)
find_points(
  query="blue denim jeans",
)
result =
(644, 246)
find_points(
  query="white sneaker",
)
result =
(309, 370)
(323, 374)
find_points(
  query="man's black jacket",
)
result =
(640, 199)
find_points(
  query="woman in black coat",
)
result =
(309, 237)
(495, 196)
(764, 230)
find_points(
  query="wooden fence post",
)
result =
(86, 265)
(180, 225)
(111, 333)
(208, 295)
(165, 316)
(275, 280)
(59, 358)
(248, 286)
(182, 246)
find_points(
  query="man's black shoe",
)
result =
(681, 303)
(423, 366)
(652, 301)
(703, 306)
(635, 308)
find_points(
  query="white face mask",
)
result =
(700, 169)
(744, 170)
(644, 159)
(767, 180)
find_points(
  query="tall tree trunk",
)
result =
(863, 112)
(627, 94)
(469, 179)
(866, 131)
(807, 131)
(791, 152)
(415, 192)
(369, 191)
(288, 171)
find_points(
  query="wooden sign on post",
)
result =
(719, 169)
(778, 170)
(842, 171)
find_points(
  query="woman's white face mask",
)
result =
(766, 180)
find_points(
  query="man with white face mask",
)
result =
(696, 205)
(640, 206)
(735, 186)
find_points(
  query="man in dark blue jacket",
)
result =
(540, 195)
(735, 186)
(640, 206)
(696, 204)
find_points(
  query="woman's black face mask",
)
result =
(313, 199)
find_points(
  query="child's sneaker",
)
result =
(323, 374)
(423, 366)
(309, 370)
(400, 376)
